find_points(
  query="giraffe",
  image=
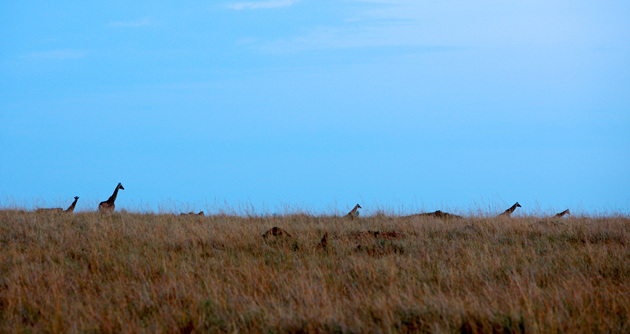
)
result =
(70, 209)
(509, 211)
(108, 206)
(565, 212)
(354, 213)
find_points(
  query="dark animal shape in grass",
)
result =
(192, 214)
(323, 243)
(561, 214)
(437, 214)
(276, 232)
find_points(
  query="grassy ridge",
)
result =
(142, 272)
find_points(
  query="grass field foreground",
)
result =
(126, 272)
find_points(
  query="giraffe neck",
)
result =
(71, 207)
(356, 207)
(113, 197)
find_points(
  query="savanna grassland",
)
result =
(126, 272)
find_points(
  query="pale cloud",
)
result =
(371, 23)
(261, 4)
(531, 23)
(326, 38)
(131, 24)
(435, 25)
(62, 54)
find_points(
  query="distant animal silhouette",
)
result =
(323, 243)
(509, 211)
(437, 214)
(192, 214)
(561, 214)
(70, 208)
(354, 213)
(108, 206)
(277, 232)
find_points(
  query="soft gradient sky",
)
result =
(406, 105)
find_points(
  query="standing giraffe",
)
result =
(108, 206)
(71, 207)
(354, 213)
(509, 211)
(565, 212)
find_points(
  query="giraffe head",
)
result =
(517, 205)
(120, 186)
(76, 197)
(358, 206)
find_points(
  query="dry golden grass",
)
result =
(163, 273)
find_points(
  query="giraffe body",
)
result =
(108, 206)
(354, 213)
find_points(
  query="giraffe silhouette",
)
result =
(509, 211)
(354, 213)
(561, 214)
(70, 209)
(108, 206)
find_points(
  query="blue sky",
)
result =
(317, 105)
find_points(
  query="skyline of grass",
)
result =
(218, 207)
